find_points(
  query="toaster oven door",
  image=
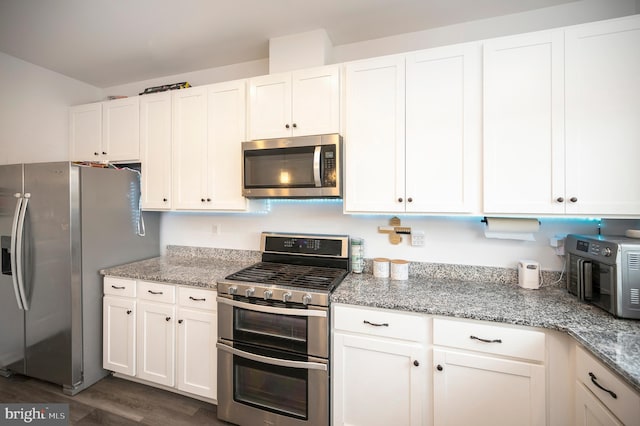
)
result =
(593, 282)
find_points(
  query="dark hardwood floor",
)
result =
(113, 401)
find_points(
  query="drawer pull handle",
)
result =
(384, 324)
(197, 300)
(486, 340)
(117, 287)
(154, 292)
(594, 380)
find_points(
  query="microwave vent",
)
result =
(635, 296)
(634, 261)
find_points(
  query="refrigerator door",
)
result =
(11, 316)
(47, 273)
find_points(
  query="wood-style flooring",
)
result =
(113, 401)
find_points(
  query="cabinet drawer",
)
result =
(378, 322)
(119, 287)
(626, 404)
(506, 341)
(197, 298)
(157, 292)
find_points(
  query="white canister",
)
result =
(381, 267)
(529, 274)
(399, 269)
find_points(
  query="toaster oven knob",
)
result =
(232, 290)
(286, 297)
(249, 292)
(306, 299)
(267, 294)
(606, 252)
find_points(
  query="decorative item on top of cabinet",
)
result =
(434, 166)
(105, 131)
(298, 103)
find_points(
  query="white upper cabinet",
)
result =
(374, 135)
(603, 117)
(298, 103)
(155, 150)
(105, 131)
(433, 166)
(443, 130)
(208, 128)
(523, 124)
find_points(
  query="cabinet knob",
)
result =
(104, 153)
(167, 319)
(410, 200)
(560, 200)
(202, 199)
(400, 199)
(96, 153)
(295, 125)
(416, 363)
(180, 321)
(286, 126)
(128, 311)
(573, 199)
(165, 199)
(208, 200)
(439, 367)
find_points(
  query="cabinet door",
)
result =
(590, 411)
(375, 382)
(603, 117)
(190, 149)
(226, 108)
(85, 132)
(121, 129)
(374, 135)
(270, 106)
(467, 388)
(197, 353)
(119, 335)
(156, 342)
(316, 101)
(155, 150)
(443, 130)
(524, 124)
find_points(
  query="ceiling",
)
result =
(110, 42)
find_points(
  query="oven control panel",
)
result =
(334, 246)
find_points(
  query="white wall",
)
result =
(34, 111)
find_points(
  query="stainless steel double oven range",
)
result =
(273, 328)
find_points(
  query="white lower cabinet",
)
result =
(161, 334)
(380, 367)
(487, 374)
(601, 398)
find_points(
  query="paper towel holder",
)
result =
(484, 220)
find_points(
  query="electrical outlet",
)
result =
(417, 238)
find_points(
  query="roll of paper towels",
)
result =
(511, 228)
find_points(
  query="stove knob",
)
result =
(306, 299)
(249, 292)
(286, 297)
(232, 290)
(606, 252)
(267, 294)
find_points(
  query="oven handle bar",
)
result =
(273, 309)
(272, 361)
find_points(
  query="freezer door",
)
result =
(48, 271)
(11, 317)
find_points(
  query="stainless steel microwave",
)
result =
(605, 271)
(300, 167)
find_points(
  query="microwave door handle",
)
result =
(316, 166)
(588, 280)
(272, 361)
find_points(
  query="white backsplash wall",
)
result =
(451, 240)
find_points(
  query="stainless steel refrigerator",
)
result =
(59, 225)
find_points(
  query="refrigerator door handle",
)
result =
(14, 252)
(19, 249)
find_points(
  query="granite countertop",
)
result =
(487, 296)
(615, 342)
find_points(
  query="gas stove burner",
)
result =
(282, 274)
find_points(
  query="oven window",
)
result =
(602, 286)
(276, 331)
(281, 390)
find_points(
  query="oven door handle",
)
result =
(273, 309)
(272, 361)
